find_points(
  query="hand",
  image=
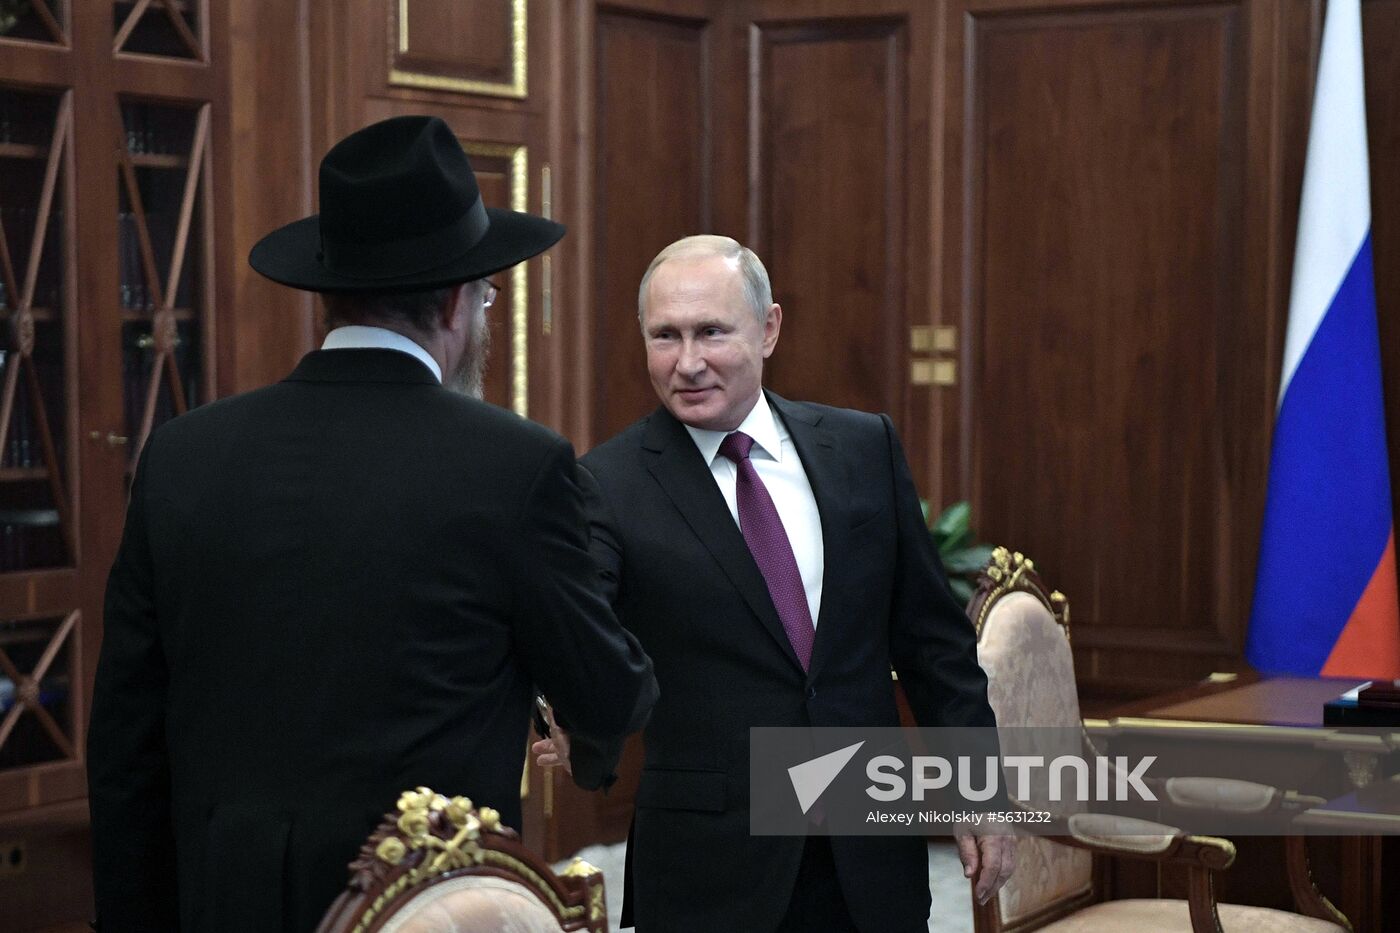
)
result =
(553, 752)
(990, 859)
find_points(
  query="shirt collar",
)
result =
(360, 336)
(761, 424)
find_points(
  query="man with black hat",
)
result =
(345, 585)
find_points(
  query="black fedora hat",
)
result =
(400, 211)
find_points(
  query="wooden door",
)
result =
(1107, 179)
(838, 162)
(646, 165)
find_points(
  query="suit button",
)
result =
(811, 693)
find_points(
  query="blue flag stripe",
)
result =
(1328, 515)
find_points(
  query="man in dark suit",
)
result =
(772, 558)
(345, 585)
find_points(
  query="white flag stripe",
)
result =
(1336, 209)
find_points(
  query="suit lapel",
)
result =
(685, 477)
(826, 472)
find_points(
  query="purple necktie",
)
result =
(768, 542)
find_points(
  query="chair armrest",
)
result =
(1126, 837)
(1112, 835)
(1224, 795)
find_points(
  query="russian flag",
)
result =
(1325, 595)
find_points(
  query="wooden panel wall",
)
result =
(1107, 313)
(828, 105)
(485, 68)
(469, 42)
(1380, 25)
(796, 128)
(1101, 198)
(272, 180)
(651, 115)
(1121, 185)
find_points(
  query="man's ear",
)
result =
(772, 323)
(455, 311)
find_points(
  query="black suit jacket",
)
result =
(685, 584)
(329, 591)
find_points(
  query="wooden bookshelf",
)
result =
(105, 153)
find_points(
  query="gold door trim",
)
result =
(519, 277)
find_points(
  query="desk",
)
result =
(1242, 700)
(1255, 721)
(1263, 722)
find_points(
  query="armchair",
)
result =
(439, 865)
(1061, 881)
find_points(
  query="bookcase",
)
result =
(107, 307)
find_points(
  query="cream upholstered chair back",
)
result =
(440, 865)
(473, 904)
(1023, 646)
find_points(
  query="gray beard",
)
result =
(469, 378)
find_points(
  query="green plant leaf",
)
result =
(969, 560)
(955, 521)
(953, 545)
(963, 558)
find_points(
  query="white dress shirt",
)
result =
(775, 460)
(362, 337)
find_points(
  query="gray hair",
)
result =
(418, 309)
(754, 278)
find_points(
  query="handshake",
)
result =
(552, 750)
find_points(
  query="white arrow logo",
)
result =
(811, 778)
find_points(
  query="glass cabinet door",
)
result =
(36, 528)
(162, 262)
(38, 664)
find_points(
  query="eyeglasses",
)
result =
(488, 297)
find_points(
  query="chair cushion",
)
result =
(473, 904)
(1164, 916)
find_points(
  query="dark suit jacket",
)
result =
(329, 591)
(686, 586)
